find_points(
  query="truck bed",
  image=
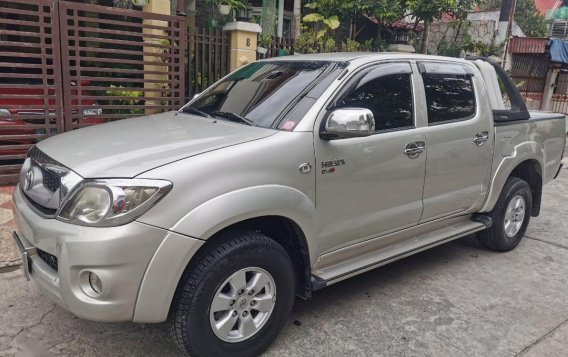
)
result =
(544, 133)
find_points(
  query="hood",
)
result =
(129, 147)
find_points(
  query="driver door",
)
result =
(368, 186)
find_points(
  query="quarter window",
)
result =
(388, 97)
(449, 97)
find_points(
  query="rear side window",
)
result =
(388, 97)
(449, 97)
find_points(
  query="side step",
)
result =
(328, 275)
(483, 219)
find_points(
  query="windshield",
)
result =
(266, 94)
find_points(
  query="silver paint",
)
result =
(379, 206)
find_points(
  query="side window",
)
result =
(449, 97)
(388, 97)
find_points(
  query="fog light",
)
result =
(95, 283)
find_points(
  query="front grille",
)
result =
(51, 180)
(49, 259)
(39, 157)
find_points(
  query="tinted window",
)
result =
(449, 97)
(388, 97)
(263, 92)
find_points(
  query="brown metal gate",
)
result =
(120, 63)
(31, 100)
(529, 73)
(560, 96)
(66, 65)
(208, 58)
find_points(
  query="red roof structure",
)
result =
(544, 6)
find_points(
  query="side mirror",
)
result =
(349, 123)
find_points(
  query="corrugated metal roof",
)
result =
(528, 45)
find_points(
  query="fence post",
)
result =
(243, 43)
(156, 7)
(549, 86)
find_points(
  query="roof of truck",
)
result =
(350, 56)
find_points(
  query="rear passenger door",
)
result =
(459, 141)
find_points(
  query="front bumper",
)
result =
(118, 255)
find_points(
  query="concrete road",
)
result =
(458, 299)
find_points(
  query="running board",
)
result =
(483, 219)
(343, 270)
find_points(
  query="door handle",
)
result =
(480, 138)
(414, 149)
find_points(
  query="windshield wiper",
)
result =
(192, 110)
(234, 117)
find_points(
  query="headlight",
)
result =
(92, 111)
(4, 112)
(105, 203)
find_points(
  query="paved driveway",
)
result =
(458, 299)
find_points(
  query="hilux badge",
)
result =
(328, 167)
(29, 181)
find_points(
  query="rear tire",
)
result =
(511, 216)
(209, 298)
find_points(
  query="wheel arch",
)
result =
(531, 171)
(285, 232)
(528, 168)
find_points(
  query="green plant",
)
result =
(483, 49)
(526, 16)
(128, 97)
(265, 40)
(311, 41)
(349, 46)
(427, 11)
(367, 46)
(449, 49)
(325, 24)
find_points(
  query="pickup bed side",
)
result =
(530, 149)
(528, 145)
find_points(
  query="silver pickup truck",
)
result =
(284, 177)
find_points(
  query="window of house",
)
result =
(389, 98)
(449, 97)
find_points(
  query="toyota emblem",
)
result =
(29, 181)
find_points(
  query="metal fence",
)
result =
(529, 71)
(208, 58)
(30, 79)
(560, 96)
(279, 46)
(66, 65)
(120, 63)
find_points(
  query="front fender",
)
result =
(510, 158)
(190, 232)
(267, 200)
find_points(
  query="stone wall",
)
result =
(478, 30)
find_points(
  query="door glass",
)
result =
(449, 97)
(388, 97)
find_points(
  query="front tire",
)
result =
(510, 216)
(235, 299)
